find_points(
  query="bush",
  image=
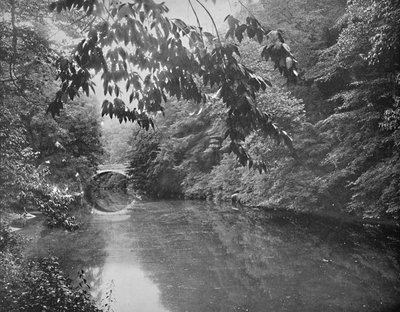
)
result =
(40, 286)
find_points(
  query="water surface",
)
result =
(189, 256)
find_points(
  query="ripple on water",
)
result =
(195, 256)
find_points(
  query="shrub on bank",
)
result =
(37, 285)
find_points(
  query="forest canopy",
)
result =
(349, 85)
(342, 111)
(345, 133)
(154, 57)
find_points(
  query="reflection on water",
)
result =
(192, 256)
(131, 288)
(112, 200)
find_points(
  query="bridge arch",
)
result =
(111, 168)
(102, 186)
(101, 172)
(118, 179)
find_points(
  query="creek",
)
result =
(176, 256)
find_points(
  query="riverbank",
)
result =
(35, 283)
(242, 200)
(338, 216)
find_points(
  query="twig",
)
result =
(197, 19)
(248, 10)
(108, 11)
(137, 132)
(89, 24)
(14, 31)
(212, 20)
(216, 30)
(72, 23)
(20, 91)
(14, 52)
(6, 80)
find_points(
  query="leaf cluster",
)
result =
(276, 49)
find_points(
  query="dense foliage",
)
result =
(349, 152)
(115, 139)
(362, 132)
(180, 144)
(39, 285)
(43, 160)
(346, 137)
(136, 45)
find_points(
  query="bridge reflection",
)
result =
(109, 190)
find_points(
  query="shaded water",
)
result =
(189, 256)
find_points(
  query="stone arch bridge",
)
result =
(107, 177)
(112, 168)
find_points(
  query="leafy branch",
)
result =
(170, 68)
